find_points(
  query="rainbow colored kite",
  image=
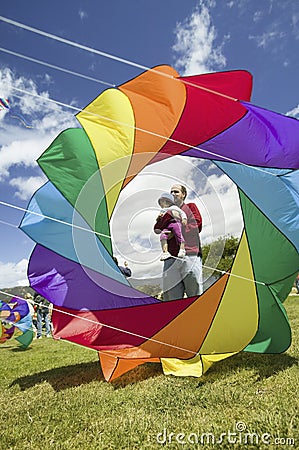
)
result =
(16, 321)
(153, 117)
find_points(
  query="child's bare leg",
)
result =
(182, 251)
(164, 245)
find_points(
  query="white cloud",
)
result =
(295, 23)
(294, 112)
(137, 208)
(21, 146)
(6, 81)
(195, 43)
(279, 24)
(257, 16)
(223, 213)
(21, 153)
(13, 274)
(33, 105)
(82, 14)
(27, 186)
(266, 40)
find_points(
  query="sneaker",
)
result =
(182, 253)
(39, 337)
(165, 255)
(48, 336)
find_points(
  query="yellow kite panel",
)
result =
(193, 367)
(109, 123)
(236, 320)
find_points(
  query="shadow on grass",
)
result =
(20, 349)
(140, 373)
(64, 377)
(263, 365)
(67, 377)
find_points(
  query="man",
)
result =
(42, 315)
(183, 275)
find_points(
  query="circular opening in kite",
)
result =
(132, 219)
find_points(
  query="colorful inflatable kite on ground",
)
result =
(152, 117)
(16, 321)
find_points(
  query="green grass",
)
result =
(54, 396)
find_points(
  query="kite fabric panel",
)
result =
(152, 117)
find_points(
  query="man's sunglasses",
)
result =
(175, 192)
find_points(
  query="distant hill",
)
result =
(135, 282)
(146, 285)
(18, 291)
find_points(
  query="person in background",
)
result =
(183, 275)
(125, 270)
(42, 315)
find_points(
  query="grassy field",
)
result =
(54, 396)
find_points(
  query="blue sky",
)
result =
(261, 36)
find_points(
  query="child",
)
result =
(177, 217)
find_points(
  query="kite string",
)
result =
(7, 223)
(106, 83)
(100, 324)
(105, 235)
(152, 133)
(52, 218)
(52, 66)
(110, 56)
(32, 328)
(66, 41)
(107, 55)
(223, 272)
(72, 43)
